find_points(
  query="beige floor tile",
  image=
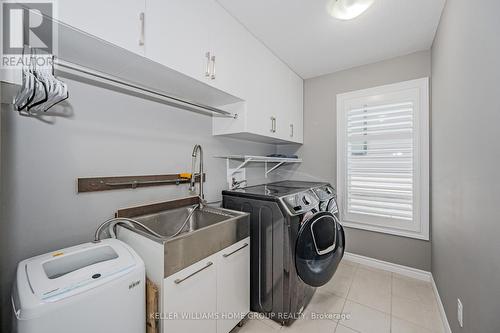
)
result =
(413, 289)
(347, 267)
(326, 303)
(309, 325)
(343, 329)
(417, 313)
(372, 288)
(403, 326)
(362, 269)
(254, 326)
(365, 319)
(339, 284)
(271, 323)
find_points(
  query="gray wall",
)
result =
(320, 143)
(108, 134)
(465, 163)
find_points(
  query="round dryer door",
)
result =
(319, 249)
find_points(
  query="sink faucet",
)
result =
(193, 175)
(235, 184)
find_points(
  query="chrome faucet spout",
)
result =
(197, 150)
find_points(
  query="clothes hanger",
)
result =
(41, 95)
(35, 87)
(26, 91)
(62, 90)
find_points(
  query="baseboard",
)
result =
(446, 323)
(406, 271)
(389, 266)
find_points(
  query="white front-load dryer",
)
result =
(93, 287)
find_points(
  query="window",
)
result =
(383, 158)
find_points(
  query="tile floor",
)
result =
(371, 301)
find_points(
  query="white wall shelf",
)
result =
(246, 159)
(90, 59)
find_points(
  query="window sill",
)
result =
(424, 235)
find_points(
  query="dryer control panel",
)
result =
(327, 198)
(301, 203)
(325, 193)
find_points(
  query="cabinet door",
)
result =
(295, 118)
(299, 111)
(178, 35)
(288, 108)
(116, 22)
(233, 284)
(231, 45)
(191, 291)
(263, 93)
(283, 100)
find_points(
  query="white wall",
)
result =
(109, 133)
(465, 163)
(320, 142)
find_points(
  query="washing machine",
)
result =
(295, 247)
(92, 287)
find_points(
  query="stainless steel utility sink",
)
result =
(206, 231)
(169, 223)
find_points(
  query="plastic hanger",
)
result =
(61, 94)
(41, 91)
(25, 93)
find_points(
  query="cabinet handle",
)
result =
(177, 281)
(141, 37)
(213, 68)
(273, 124)
(207, 70)
(238, 249)
(291, 130)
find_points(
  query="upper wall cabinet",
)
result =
(200, 39)
(178, 35)
(121, 23)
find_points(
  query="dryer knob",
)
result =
(306, 200)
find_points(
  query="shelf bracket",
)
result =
(273, 168)
(239, 172)
(242, 165)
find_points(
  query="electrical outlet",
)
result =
(460, 312)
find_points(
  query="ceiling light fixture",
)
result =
(348, 9)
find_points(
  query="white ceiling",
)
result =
(313, 43)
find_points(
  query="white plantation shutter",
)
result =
(382, 133)
(380, 161)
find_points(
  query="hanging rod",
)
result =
(182, 103)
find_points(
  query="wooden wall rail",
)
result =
(123, 182)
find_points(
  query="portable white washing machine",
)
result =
(93, 287)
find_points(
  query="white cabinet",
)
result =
(217, 287)
(233, 284)
(294, 112)
(231, 50)
(191, 292)
(121, 23)
(178, 35)
(200, 39)
(273, 111)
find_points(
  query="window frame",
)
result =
(420, 227)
